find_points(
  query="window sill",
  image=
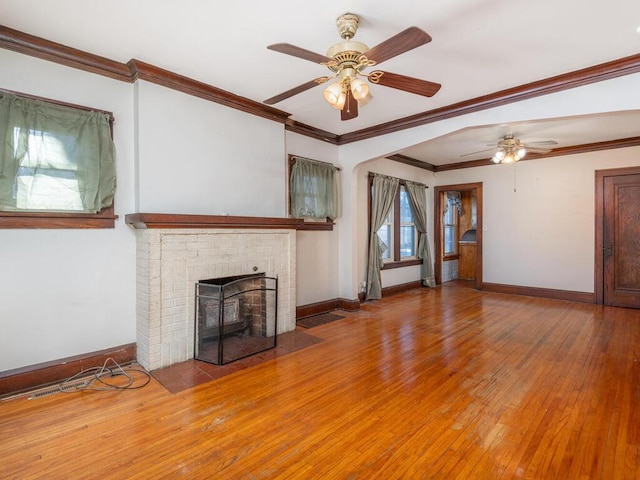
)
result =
(455, 256)
(401, 264)
(104, 219)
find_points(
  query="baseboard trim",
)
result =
(350, 305)
(394, 289)
(572, 296)
(27, 378)
(403, 287)
(327, 306)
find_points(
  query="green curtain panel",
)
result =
(418, 201)
(54, 157)
(382, 197)
(313, 190)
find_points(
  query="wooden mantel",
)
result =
(173, 220)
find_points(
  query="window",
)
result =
(399, 232)
(450, 227)
(57, 166)
(313, 191)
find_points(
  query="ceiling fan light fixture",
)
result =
(332, 94)
(339, 105)
(498, 156)
(364, 101)
(509, 157)
(509, 150)
(359, 89)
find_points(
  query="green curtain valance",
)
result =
(313, 189)
(45, 147)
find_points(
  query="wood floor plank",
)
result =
(443, 383)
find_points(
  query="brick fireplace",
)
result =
(174, 252)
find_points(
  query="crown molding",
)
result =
(140, 70)
(558, 152)
(309, 131)
(133, 70)
(597, 73)
(20, 42)
(412, 161)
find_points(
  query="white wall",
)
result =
(539, 218)
(316, 251)
(67, 292)
(195, 156)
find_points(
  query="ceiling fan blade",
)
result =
(299, 52)
(296, 90)
(475, 153)
(404, 41)
(350, 109)
(543, 142)
(538, 150)
(402, 82)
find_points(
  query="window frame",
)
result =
(105, 218)
(396, 261)
(327, 225)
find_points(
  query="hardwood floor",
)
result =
(445, 383)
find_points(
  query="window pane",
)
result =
(449, 243)
(47, 177)
(47, 189)
(385, 235)
(406, 215)
(407, 228)
(449, 217)
(407, 241)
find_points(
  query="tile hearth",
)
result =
(191, 373)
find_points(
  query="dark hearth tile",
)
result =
(190, 373)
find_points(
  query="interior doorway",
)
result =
(449, 242)
(617, 268)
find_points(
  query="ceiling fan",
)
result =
(348, 60)
(511, 149)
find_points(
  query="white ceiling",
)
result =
(474, 143)
(479, 47)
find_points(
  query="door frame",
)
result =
(599, 227)
(437, 228)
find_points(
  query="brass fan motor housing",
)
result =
(347, 54)
(347, 25)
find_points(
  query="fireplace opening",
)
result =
(246, 323)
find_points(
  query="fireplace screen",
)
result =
(235, 317)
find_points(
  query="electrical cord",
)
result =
(97, 378)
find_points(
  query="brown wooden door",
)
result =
(621, 241)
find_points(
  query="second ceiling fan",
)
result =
(511, 149)
(348, 60)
